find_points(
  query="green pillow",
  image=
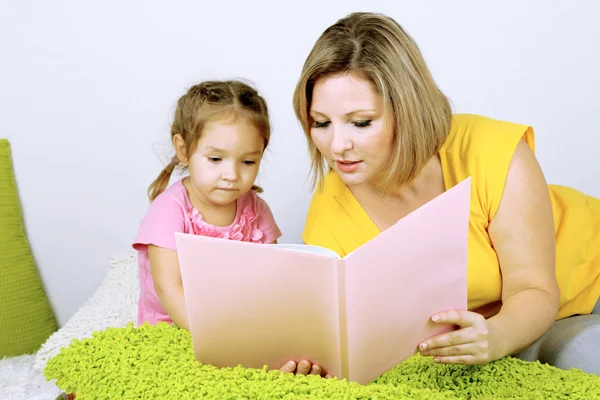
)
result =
(26, 318)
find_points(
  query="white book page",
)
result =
(307, 248)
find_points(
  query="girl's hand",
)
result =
(473, 343)
(304, 368)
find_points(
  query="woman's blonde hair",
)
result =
(377, 48)
(210, 101)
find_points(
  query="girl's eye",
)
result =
(318, 124)
(249, 162)
(362, 124)
(214, 159)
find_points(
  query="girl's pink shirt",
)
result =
(172, 212)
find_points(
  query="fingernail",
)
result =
(423, 346)
(290, 364)
(435, 318)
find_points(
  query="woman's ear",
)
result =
(179, 145)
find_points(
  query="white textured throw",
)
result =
(113, 304)
(19, 381)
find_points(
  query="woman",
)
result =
(372, 112)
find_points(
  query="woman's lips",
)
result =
(347, 166)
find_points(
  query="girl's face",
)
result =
(226, 161)
(349, 128)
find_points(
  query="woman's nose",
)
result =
(340, 141)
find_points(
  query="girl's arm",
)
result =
(164, 266)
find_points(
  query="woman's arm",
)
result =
(522, 232)
(164, 266)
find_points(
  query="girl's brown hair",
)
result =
(376, 47)
(208, 101)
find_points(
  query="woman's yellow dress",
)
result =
(481, 148)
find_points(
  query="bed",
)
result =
(101, 337)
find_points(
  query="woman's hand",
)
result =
(305, 367)
(473, 343)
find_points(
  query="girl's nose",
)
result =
(231, 174)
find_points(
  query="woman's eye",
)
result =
(318, 124)
(362, 124)
(214, 159)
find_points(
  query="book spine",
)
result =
(343, 319)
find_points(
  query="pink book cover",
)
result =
(260, 305)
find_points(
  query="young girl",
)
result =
(220, 132)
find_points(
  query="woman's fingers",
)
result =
(472, 327)
(448, 339)
(457, 350)
(468, 345)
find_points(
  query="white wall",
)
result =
(87, 89)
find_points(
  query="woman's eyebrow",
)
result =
(348, 114)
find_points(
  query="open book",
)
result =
(259, 304)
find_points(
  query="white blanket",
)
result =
(113, 304)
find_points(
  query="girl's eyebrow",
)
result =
(217, 150)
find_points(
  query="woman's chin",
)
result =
(352, 179)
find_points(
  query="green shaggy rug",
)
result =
(157, 362)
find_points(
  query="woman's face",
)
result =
(349, 128)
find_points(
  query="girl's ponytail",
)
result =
(257, 189)
(161, 183)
